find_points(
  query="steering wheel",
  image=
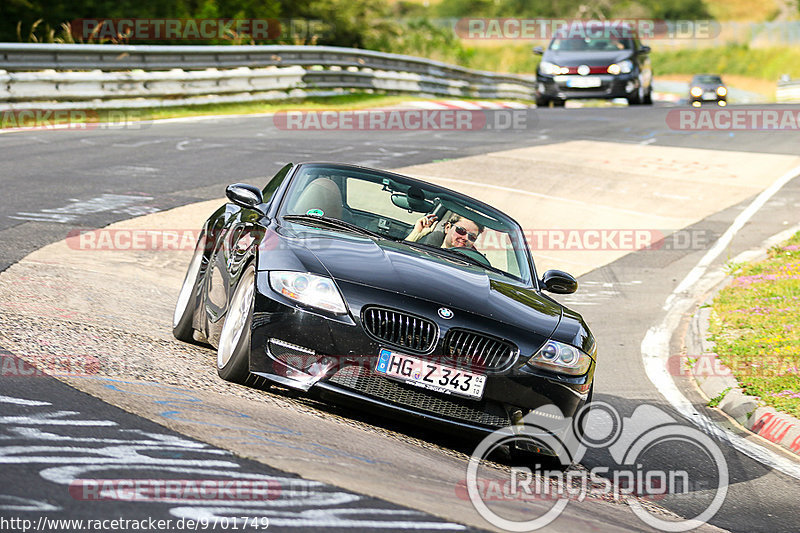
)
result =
(473, 253)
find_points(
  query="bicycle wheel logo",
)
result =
(625, 440)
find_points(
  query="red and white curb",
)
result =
(471, 105)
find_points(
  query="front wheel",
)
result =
(648, 97)
(233, 353)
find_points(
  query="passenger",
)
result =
(459, 232)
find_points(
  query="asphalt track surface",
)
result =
(165, 165)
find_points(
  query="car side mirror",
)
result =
(245, 195)
(559, 282)
(538, 50)
(644, 50)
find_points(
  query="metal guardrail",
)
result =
(788, 91)
(134, 76)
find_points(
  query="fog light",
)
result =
(722, 103)
(695, 104)
(298, 357)
(630, 87)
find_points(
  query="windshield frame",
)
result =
(524, 258)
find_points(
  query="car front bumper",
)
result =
(334, 358)
(569, 87)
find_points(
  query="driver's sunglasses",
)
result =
(463, 231)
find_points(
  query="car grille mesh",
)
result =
(370, 384)
(400, 329)
(477, 351)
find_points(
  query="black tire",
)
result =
(648, 97)
(233, 352)
(559, 103)
(584, 410)
(542, 101)
(186, 304)
(549, 462)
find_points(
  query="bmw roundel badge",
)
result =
(445, 313)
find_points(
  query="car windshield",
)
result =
(389, 205)
(599, 44)
(708, 80)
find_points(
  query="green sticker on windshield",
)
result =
(318, 212)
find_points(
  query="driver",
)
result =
(459, 231)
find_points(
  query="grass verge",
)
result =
(16, 119)
(756, 327)
(731, 60)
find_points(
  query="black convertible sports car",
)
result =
(371, 288)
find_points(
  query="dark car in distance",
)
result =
(604, 62)
(707, 88)
(312, 283)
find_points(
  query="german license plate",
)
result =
(430, 375)
(584, 82)
(709, 96)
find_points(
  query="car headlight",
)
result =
(562, 358)
(309, 289)
(696, 91)
(722, 91)
(551, 69)
(623, 67)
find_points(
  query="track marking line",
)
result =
(655, 345)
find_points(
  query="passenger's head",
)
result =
(460, 232)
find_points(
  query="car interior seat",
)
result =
(434, 238)
(322, 194)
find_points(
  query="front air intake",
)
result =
(409, 332)
(478, 351)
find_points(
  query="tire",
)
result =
(541, 101)
(639, 97)
(183, 315)
(648, 97)
(233, 352)
(548, 462)
(559, 103)
(584, 410)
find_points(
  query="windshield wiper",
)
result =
(333, 222)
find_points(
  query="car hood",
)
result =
(591, 58)
(393, 266)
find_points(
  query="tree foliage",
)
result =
(356, 23)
